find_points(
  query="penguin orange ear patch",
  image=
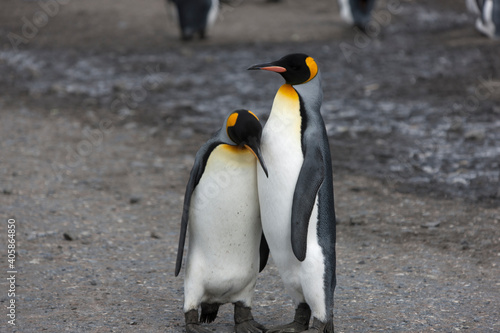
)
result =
(313, 67)
(231, 121)
(253, 114)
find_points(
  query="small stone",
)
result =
(67, 236)
(93, 283)
(134, 199)
(475, 135)
(155, 235)
(431, 225)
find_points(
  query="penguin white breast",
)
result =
(282, 152)
(224, 224)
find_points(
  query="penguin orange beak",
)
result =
(268, 67)
(254, 148)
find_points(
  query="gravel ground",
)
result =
(102, 110)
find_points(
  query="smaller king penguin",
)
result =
(296, 201)
(227, 248)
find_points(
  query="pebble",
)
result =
(475, 135)
(155, 235)
(431, 225)
(67, 236)
(134, 199)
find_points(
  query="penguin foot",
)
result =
(196, 328)
(300, 322)
(192, 324)
(250, 326)
(320, 327)
(244, 322)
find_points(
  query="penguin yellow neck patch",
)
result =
(285, 113)
(288, 91)
(313, 68)
(231, 152)
(233, 149)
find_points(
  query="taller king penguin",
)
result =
(296, 201)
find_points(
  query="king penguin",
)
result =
(195, 16)
(356, 12)
(488, 22)
(296, 201)
(227, 248)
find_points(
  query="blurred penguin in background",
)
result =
(488, 22)
(195, 17)
(356, 12)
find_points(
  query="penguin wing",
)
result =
(264, 253)
(198, 168)
(311, 177)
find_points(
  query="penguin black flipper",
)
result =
(200, 162)
(264, 253)
(311, 176)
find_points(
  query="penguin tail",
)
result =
(209, 312)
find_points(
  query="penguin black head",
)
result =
(244, 129)
(296, 68)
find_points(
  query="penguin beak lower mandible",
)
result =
(256, 152)
(268, 67)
